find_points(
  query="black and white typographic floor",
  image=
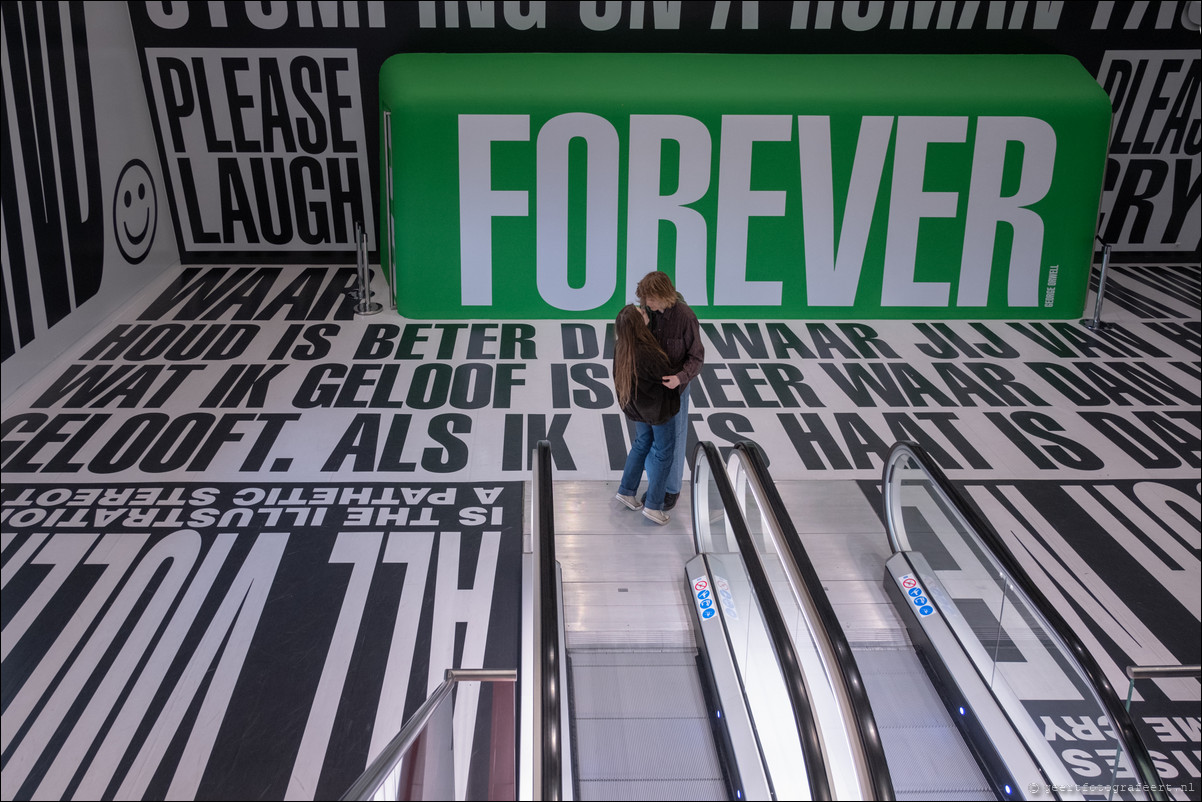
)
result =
(245, 529)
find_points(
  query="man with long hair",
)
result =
(678, 332)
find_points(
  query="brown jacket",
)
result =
(679, 333)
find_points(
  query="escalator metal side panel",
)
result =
(734, 732)
(1004, 758)
(568, 783)
(526, 729)
(854, 753)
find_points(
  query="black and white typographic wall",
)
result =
(84, 223)
(257, 372)
(140, 134)
(241, 510)
(266, 116)
(205, 640)
(244, 529)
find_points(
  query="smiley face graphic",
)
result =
(135, 212)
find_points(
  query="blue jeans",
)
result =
(652, 449)
(676, 472)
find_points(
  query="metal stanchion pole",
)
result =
(356, 292)
(366, 305)
(1096, 323)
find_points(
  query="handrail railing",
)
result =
(376, 775)
(868, 751)
(548, 767)
(1120, 720)
(1158, 672)
(1163, 672)
(777, 629)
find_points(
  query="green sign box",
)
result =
(544, 185)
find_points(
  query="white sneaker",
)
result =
(659, 516)
(630, 501)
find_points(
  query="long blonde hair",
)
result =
(632, 341)
(657, 286)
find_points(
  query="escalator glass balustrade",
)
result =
(1003, 660)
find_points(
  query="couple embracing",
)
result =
(657, 352)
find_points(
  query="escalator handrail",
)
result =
(868, 735)
(369, 783)
(548, 772)
(1120, 719)
(777, 630)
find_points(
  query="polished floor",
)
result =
(245, 529)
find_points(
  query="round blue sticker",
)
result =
(914, 591)
(709, 613)
(920, 601)
(927, 610)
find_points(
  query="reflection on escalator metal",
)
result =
(1000, 654)
(545, 775)
(769, 677)
(848, 728)
(767, 665)
(789, 763)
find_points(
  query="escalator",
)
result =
(925, 753)
(740, 529)
(758, 727)
(1000, 655)
(775, 701)
(998, 658)
(976, 622)
(769, 720)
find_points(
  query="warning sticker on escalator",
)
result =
(918, 597)
(726, 597)
(704, 598)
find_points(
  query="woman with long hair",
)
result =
(638, 370)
